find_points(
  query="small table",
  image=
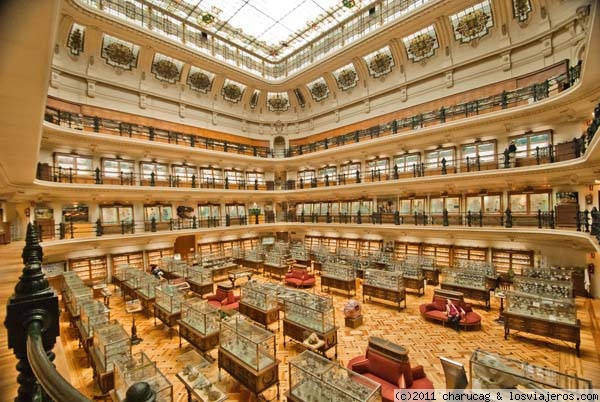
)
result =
(234, 274)
(134, 306)
(501, 296)
(314, 347)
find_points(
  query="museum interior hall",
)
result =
(304, 201)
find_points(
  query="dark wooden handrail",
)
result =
(55, 385)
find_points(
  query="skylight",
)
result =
(272, 28)
(272, 39)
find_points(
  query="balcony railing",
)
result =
(582, 221)
(537, 156)
(504, 100)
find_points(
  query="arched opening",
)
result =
(278, 147)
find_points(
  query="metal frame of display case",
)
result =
(110, 336)
(93, 314)
(492, 371)
(198, 378)
(308, 305)
(146, 291)
(168, 312)
(119, 275)
(275, 264)
(315, 377)
(130, 284)
(260, 303)
(140, 369)
(550, 317)
(201, 280)
(474, 287)
(197, 317)
(373, 288)
(427, 264)
(339, 276)
(237, 332)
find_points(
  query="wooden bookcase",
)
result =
(90, 269)
(135, 260)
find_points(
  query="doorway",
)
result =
(279, 147)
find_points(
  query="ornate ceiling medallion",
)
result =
(421, 45)
(76, 39)
(318, 89)
(199, 80)
(521, 10)
(346, 77)
(380, 62)
(118, 53)
(473, 22)
(232, 91)
(166, 69)
(278, 101)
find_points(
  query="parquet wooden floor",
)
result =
(426, 341)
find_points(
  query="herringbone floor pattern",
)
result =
(425, 340)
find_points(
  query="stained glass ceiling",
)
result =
(273, 28)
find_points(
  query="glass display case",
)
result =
(412, 271)
(338, 276)
(111, 344)
(472, 283)
(75, 297)
(93, 314)
(553, 309)
(131, 281)
(386, 285)
(141, 369)
(298, 252)
(135, 277)
(199, 324)
(247, 353)
(200, 276)
(492, 371)
(315, 378)
(384, 279)
(311, 311)
(169, 298)
(259, 296)
(173, 268)
(255, 254)
(200, 315)
(482, 268)
(543, 287)
(551, 274)
(260, 302)
(464, 278)
(147, 286)
(250, 343)
(200, 280)
(121, 273)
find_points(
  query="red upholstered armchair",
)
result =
(390, 370)
(300, 278)
(224, 299)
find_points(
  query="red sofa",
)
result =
(436, 310)
(300, 278)
(383, 364)
(224, 299)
